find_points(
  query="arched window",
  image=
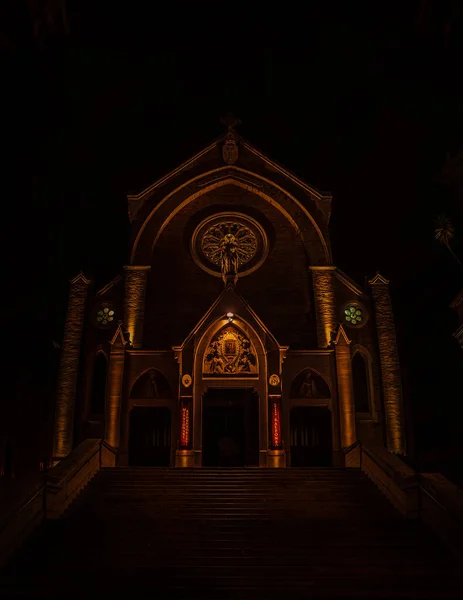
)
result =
(361, 384)
(100, 369)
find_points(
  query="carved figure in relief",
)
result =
(230, 353)
(308, 387)
(150, 387)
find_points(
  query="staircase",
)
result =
(231, 533)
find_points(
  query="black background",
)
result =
(361, 99)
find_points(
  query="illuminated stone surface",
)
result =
(134, 302)
(390, 367)
(345, 388)
(114, 389)
(325, 303)
(69, 364)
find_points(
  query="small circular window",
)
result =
(105, 315)
(354, 314)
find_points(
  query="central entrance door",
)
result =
(230, 428)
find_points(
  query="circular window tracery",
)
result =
(354, 314)
(225, 233)
(104, 315)
(230, 242)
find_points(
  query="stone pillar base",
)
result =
(276, 459)
(184, 458)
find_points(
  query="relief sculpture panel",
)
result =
(230, 353)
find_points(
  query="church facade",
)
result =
(230, 338)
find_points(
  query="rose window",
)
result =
(105, 315)
(353, 314)
(229, 234)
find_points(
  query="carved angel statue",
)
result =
(229, 258)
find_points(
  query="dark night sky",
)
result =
(363, 101)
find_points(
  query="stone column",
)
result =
(390, 367)
(134, 302)
(325, 303)
(345, 388)
(114, 388)
(69, 365)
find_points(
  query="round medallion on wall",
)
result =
(187, 380)
(104, 315)
(274, 380)
(354, 314)
(214, 236)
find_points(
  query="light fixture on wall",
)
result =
(230, 316)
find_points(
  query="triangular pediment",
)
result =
(341, 337)
(378, 279)
(228, 153)
(230, 302)
(119, 341)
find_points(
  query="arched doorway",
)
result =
(230, 427)
(149, 437)
(311, 438)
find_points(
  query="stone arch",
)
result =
(215, 328)
(184, 194)
(362, 379)
(151, 383)
(99, 382)
(257, 381)
(309, 383)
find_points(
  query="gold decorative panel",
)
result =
(230, 353)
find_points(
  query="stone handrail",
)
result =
(52, 493)
(72, 474)
(429, 497)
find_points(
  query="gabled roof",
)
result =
(136, 200)
(230, 293)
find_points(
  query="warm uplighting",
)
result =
(230, 316)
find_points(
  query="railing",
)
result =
(52, 493)
(429, 497)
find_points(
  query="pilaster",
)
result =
(134, 302)
(345, 388)
(114, 388)
(390, 367)
(325, 303)
(69, 365)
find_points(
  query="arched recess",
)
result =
(309, 383)
(99, 380)
(362, 379)
(317, 249)
(256, 380)
(151, 383)
(215, 329)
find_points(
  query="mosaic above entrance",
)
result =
(229, 245)
(230, 353)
